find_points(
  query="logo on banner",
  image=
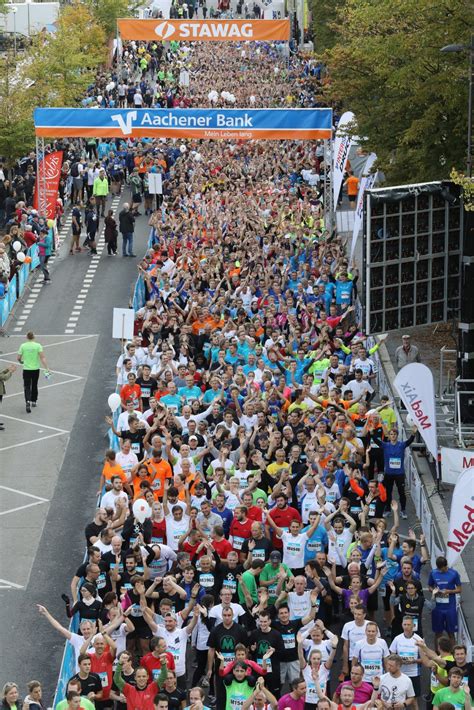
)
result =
(414, 383)
(127, 125)
(47, 182)
(461, 517)
(454, 462)
(204, 30)
(164, 30)
(416, 405)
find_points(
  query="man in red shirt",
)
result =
(131, 391)
(141, 696)
(102, 660)
(283, 514)
(153, 661)
(219, 542)
(253, 511)
(240, 528)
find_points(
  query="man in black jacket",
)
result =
(127, 226)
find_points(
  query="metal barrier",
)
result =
(447, 372)
(433, 536)
(17, 285)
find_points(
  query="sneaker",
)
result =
(2, 426)
(28, 408)
(387, 513)
(211, 699)
(404, 514)
(205, 681)
(33, 404)
(132, 254)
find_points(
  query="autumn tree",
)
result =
(324, 15)
(107, 12)
(410, 100)
(64, 64)
(16, 116)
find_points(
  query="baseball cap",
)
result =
(193, 438)
(405, 335)
(275, 556)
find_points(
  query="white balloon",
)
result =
(410, 421)
(252, 99)
(215, 99)
(243, 53)
(257, 51)
(182, 148)
(16, 246)
(99, 99)
(141, 510)
(114, 401)
(276, 70)
(20, 256)
(197, 157)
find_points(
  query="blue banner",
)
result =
(12, 292)
(23, 277)
(34, 253)
(270, 124)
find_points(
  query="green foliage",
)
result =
(409, 99)
(63, 65)
(16, 118)
(107, 12)
(323, 13)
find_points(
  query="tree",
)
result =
(64, 64)
(107, 12)
(324, 16)
(409, 99)
(16, 118)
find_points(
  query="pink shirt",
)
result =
(287, 701)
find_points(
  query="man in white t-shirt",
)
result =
(352, 633)
(226, 602)
(396, 688)
(405, 646)
(122, 421)
(294, 543)
(176, 643)
(126, 458)
(371, 653)
(177, 525)
(116, 493)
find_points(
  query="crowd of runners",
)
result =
(246, 551)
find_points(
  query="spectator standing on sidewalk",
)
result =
(406, 353)
(126, 227)
(45, 249)
(31, 356)
(100, 191)
(110, 233)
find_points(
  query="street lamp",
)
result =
(466, 48)
(14, 10)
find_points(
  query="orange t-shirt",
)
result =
(159, 472)
(133, 392)
(113, 469)
(352, 183)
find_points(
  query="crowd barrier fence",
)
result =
(433, 536)
(17, 284)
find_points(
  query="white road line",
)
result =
(22, 507)
(24, 493)
(9, 585)
(29, 421)
(32, 441)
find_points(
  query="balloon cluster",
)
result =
(213, 96)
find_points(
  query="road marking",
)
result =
(5, 584)
(45, 387)
(22, 507)
(32, 441)
(24, 493)
(28, 421)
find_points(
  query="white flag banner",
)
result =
(454, 462)
(414, 383)
(461, 518)
(341, 148)
(366, 182)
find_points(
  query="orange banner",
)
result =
(205, 30)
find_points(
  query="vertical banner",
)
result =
(47, 181)
(461, 518)
(366, 182)
(414, 383)
(454, 462)
(342, 146)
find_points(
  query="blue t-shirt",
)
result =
(344, 292)
(173, 402)
(318, 542)
(190, 393)
(445, 580)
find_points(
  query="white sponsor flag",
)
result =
(366, 182)
(414, 383)
(342, 146)
(461, 518)
(454, 462)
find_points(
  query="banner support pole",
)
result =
(119, 53)
(329, 216)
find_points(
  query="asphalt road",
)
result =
(70, 463)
